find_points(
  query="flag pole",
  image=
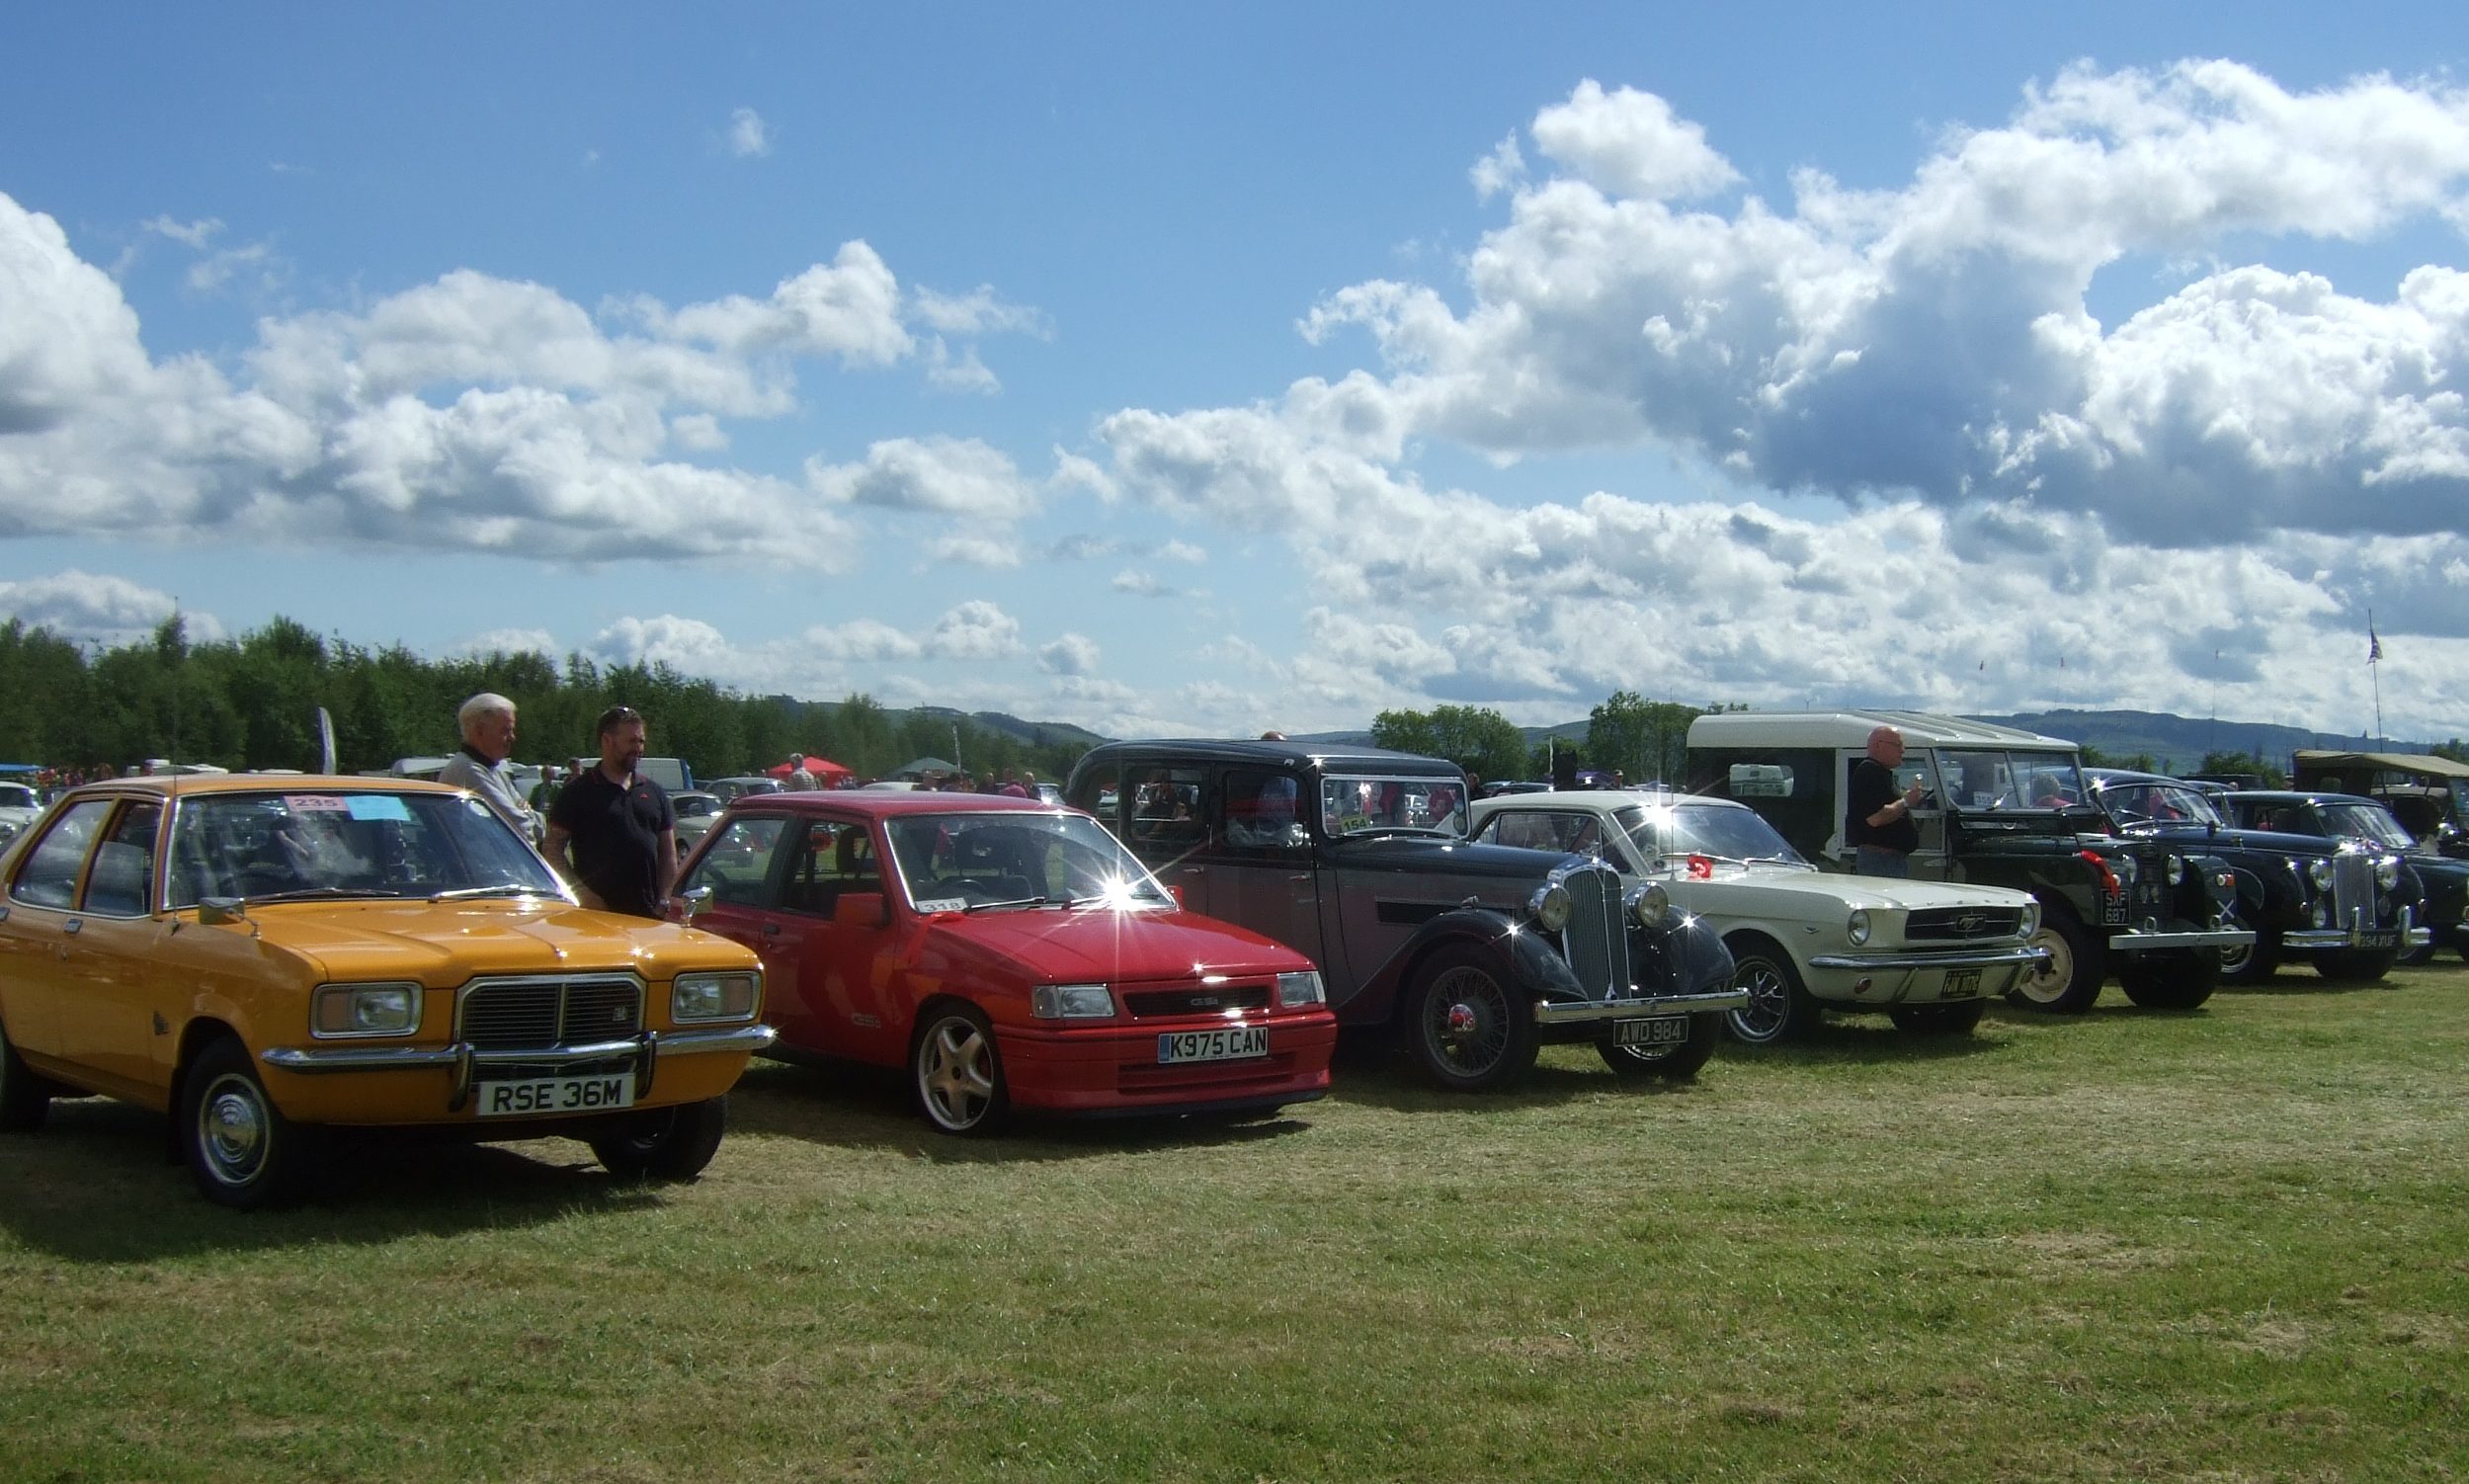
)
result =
(2374, 663)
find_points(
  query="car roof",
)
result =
(1287, 754)
(889, 803)
(1606, 797)
(2300, 796)
(2099, 775)
(188, 785)
(1852, 728)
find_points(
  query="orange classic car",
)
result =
(267, 957)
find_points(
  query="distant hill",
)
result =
(2175, 743)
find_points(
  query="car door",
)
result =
(834, 911)
(1256, 861)
(36, 972)
(121, 965)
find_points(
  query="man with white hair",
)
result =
(480, 765)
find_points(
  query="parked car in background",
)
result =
(1999, 807)
(741, 784)
(2347, 909)
(1008, 955)
(696, 812)
(2430, 796)
(269, 958)
(20, 806)
(1804, 942)
(1473, 956)
(2364, 823)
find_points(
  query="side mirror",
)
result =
(859, 909)
(222, 911)
(697, 902)
(1176, 893)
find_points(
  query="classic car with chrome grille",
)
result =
(1999, 806)
(271, 959)
(2348, 907)
(1926, 953)
(1008, 955)
(1474, 955)
(2366, 823)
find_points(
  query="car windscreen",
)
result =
(1358, 803)
(301, 845)
(962, 862)
(2366, 822)
(2136, 801)
(1999, 778)
(1668, 835)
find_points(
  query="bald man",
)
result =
(1878, 820)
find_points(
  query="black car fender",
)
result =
(1527, 961)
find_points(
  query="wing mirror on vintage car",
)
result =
(697, 902)
(222, 911)
(859, 909)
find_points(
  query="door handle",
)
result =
(770, 930)
(72, 925)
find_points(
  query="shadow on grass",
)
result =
(95, 1187)
(1370, 1070)
(1870, 1040)
(2298, 980)
(844, 1104)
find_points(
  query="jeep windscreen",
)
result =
(1671, 836)
(1993, 779)
(1011, 861)
(304, 844)
(1353, 804)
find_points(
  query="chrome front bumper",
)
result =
(2132, 941)
(2025, 956)
(1588, 1012)
(2361, 934)
(466, 1060)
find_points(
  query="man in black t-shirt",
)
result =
(620, 826)
(1878, 820)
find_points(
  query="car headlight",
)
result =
(2177, 868)
(1856, 928)
(1650, 906)
(1298, 990)
(2388, 873)
(714, 997)
(2030, 921)
(2320, 872)
(1549, 907)
(350, 1010)
(2126, 869)
(1071, 1002)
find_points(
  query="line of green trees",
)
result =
(1645, 741)
(252, 702)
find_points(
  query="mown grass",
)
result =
(2224, 1246)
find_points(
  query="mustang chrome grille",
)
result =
(1597, 939)
(521, 1014)
(1962, 924)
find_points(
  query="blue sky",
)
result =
(1179, 368)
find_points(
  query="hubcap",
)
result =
(1769, 1001)
(1470, 1019)
(231, 1130)
(2047, 984)
(955, 1070)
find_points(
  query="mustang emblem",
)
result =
(1971, 924)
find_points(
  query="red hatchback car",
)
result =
(1009, 953)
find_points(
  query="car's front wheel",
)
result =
(2253, 962)
(2356, 965)
(240, 1149)
(24, 1097)
(2166, 983)
(2069, 980)
(1469, 1031)
(664, 1143)
(957, 1072)
(1781, 1007)
(1672, 1060)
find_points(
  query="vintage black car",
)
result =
(2000, 807)
(1474, 955)
(2366, 822)
(2430, 796)
(2350, 910)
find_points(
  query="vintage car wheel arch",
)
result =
(965, 1068)
(664, 1143)
(1779, 1006)
(24, 1097)
(2076, 964)
(1459, 997)
(240, 1149)
(1529, 964)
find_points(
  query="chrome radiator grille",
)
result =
(1597, 939)
(2354, 889)
(525, 1014)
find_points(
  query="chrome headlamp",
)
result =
(2388, 873)
(1649, 906)
(729, 996)
(1549, 907)
(1857, 927)
(343, 1010)
(2320, 872)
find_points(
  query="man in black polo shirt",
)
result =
(1877, 819)
(620, 824)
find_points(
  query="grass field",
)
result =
(2225, 1246)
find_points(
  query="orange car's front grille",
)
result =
(521, 1014)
